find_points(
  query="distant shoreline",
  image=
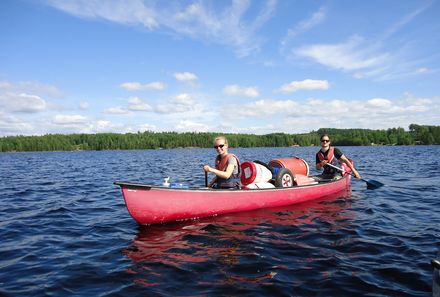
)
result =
(417, 135)
(191, 148)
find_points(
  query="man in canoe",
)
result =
(227, 166)
(332, 155)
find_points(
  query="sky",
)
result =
(259, 67)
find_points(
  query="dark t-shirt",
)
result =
(327, 169)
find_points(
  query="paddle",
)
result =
(206, 179)
(371, 184)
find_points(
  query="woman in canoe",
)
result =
(331, 155)
(227, 166)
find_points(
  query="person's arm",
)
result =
(222, 174)
(350, 165)
(320, 164)
(213, 181)
(208, 169)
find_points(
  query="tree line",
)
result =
(417, 134)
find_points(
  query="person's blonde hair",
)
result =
(225, 140)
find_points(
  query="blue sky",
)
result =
(86, 66)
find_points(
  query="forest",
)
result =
(416, 135)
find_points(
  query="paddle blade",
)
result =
(373, 184)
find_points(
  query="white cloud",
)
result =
(116, 110)
(184, 99)
(131, 13)
(131, 86)
(405, 20)
(354, 54)
(380, 58)
(11, 125)
(260, 109)
(185, 76)
(170, 108)
(363, 59)
(234, 26)
(146, 127)
(136, 86)
(84, 105)
(181, 103)
(189, 126)
(359, 75)
(136, 104)
(379, 103)
(420, 102)
(102, 126)
(294, 117)
(308, 84)
(260, 116)
(4, 85)
(62, 123)
(30, 87)
(184, 104)
(236, 90)
(22, 103)
(63, 119)
(317, 18)
(420, 105)
(422, 70)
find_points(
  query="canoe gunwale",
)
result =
(131, 185)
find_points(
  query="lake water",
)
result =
(65, 231)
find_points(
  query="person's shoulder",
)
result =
(232, 158)
(233, 161)
(337, 151)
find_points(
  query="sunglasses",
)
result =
(219, 146)
(325, 140)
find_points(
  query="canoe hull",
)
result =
(151, 204)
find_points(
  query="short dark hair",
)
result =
(324, 135)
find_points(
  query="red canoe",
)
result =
(154, 204)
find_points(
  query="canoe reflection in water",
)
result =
(244, 247)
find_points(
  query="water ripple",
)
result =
(65, 230)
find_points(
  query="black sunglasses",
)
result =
(219, 146)
(325, 140)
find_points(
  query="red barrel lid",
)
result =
(248, 172)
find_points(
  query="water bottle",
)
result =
(179, 185)
(166, 182)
